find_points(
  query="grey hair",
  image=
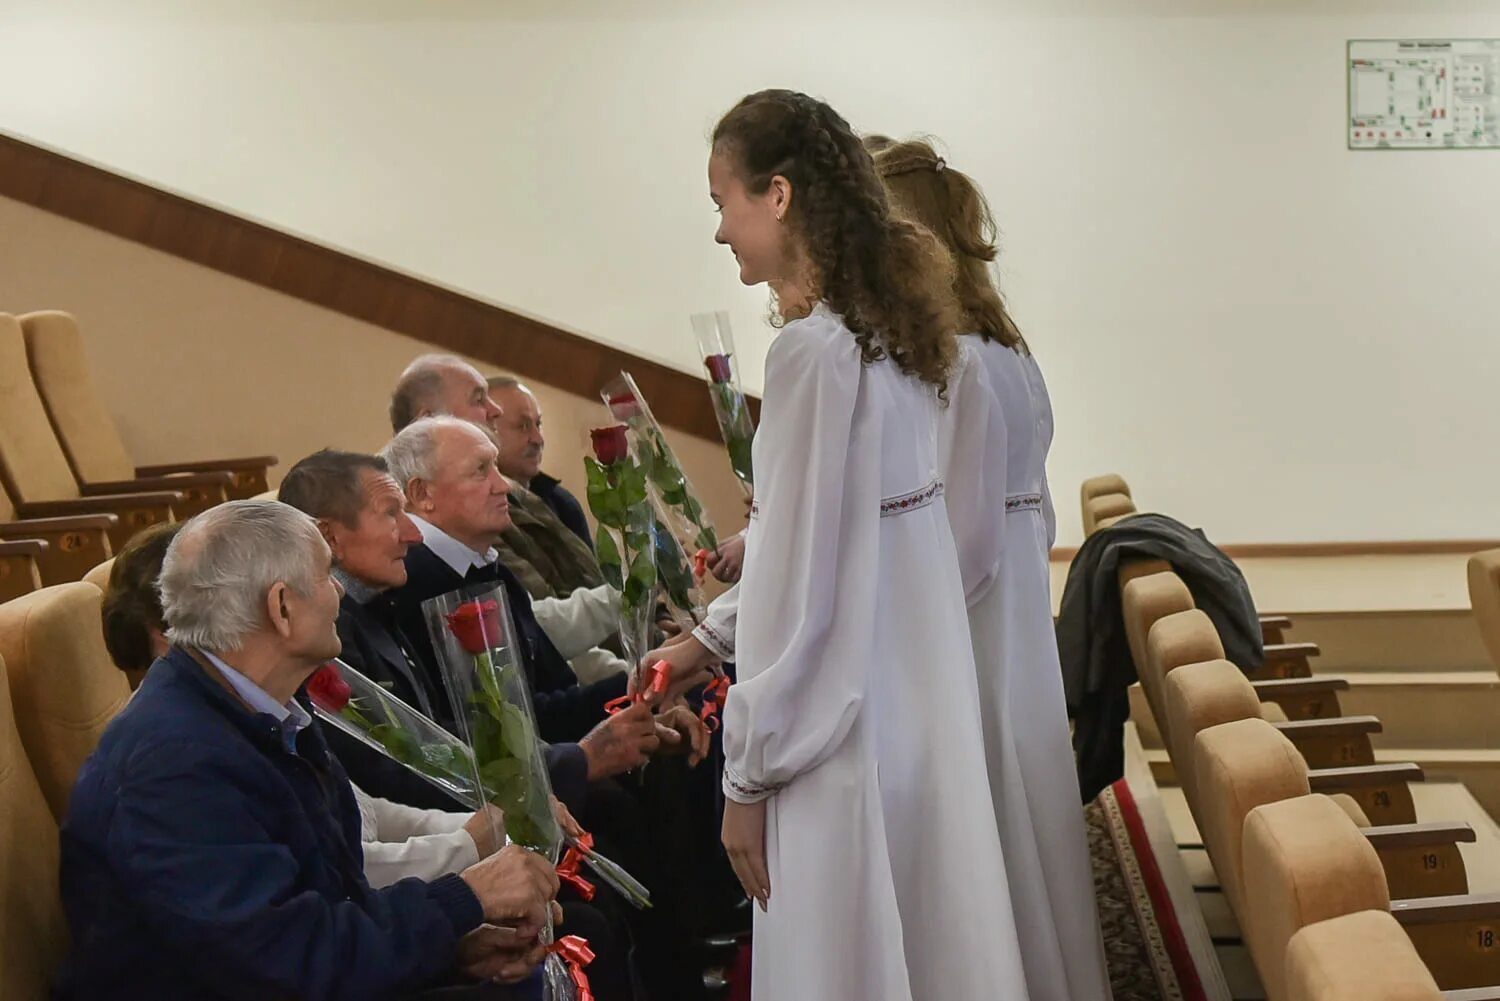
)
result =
(412, 454)
(500, 382)
(419, 388)
(220, 566)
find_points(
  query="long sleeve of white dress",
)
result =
(808, 585)
(972, 449)
(716, 631)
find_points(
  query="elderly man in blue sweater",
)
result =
(212, 844)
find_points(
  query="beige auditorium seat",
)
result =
(99, 576)
(33, 930)
(1190, 638)
(1098, 486)
(73, 544)
(1484, 598)
(64, 686)
(1305, 862)
(1146, 599)
(1364, 956)
(19, 572)
(35, 470)
(1419, 859)
(1109, 509)
(88, 433)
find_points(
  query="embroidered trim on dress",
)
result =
(740, 787)
(714, 640)
(1023, 502)
(903, 503)
(754, 509)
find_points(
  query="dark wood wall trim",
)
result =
(341, 282)
(1395, 547)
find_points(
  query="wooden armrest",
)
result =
(1298, 686)
(1338, 726)
(47, 526)
(1291, 651)
(1436, 910)
(1276, 622)
(260, 462)
(154, 500)
(1419, 835)
(1473, 994)
(23, 547)
(1334, 779)
(158, 483)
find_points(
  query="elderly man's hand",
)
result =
(500, 954)
(621, 742)
(513, 886)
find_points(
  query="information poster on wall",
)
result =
(1424, 93)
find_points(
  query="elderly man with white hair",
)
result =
(550, 556)
(212, 844)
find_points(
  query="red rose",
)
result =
(610, 444)
(328, 689)
(718, 368)
(476, 626)
(624, 406)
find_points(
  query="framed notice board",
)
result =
(1434, 93)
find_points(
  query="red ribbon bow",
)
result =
(659, 677)
(576, 954)
(713, 700)
(700, 563)
(568, 868)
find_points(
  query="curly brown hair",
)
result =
(890, 279)
(948, 202)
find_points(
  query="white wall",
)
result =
(1266, 333)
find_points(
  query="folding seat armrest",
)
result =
(1291, 651)
(33, 527)
(1392, 836)
(1437, 910)
(1275, 622)
(1336, 779)
(110, 503)
(220, 481)
(34, 548)
(1339, 726)
(261, 462)
(1278, 687)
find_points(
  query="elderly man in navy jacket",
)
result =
(211, 848)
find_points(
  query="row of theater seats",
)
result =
(69, 493)
(1340, 892)
(58, 691)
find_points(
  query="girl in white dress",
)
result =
(1031, 767)
(859, 813)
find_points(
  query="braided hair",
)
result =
(948, 202)
(890, 279)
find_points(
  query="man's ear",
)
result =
(276, 609)
(419, 496)
(326, 528)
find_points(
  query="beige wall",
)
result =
(1270, 335)
(194, 364)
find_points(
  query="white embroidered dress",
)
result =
(1030, 757)
(856, 709)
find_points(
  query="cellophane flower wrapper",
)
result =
(678, 578)
(731, 410)
(476, 647)
(366, 711)
(624, 542)
(676, 503)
